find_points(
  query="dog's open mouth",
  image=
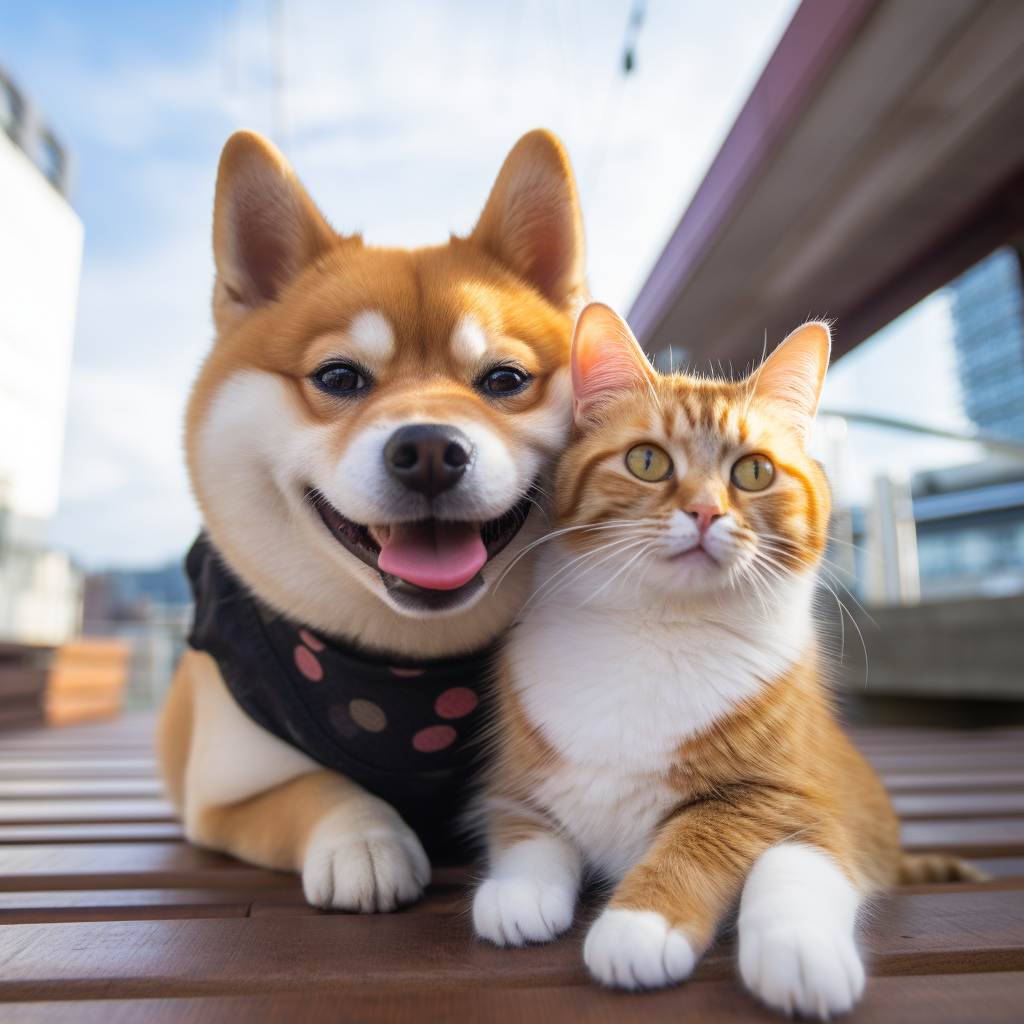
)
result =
(431, 563)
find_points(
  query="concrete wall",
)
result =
(970, 649)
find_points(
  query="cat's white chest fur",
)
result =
(616, 692)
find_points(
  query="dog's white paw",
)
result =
(801, 968)
(354, 862)
(512, 911)
(796, 933)
(637, 949)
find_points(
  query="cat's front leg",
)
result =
(796, 932)
(666, 910)
(529, 894)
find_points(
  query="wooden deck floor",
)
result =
(109, 916)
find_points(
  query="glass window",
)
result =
(924, 423)
(11, 110)
(51, 159)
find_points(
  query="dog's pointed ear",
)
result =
(265, 227)
(532, 221)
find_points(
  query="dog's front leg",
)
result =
(248, 793)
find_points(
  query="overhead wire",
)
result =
(616, 89)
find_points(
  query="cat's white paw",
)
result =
(512, 911)
(796, 934)
(637, 949)
(369, 861)
(802, 969)
(530, 892)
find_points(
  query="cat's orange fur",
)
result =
(772, 767)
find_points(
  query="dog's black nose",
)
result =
(428, 457)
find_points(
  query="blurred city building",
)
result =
(955, 531)
(877, 165)
(988, 310)
(152, 609)
(40, 264)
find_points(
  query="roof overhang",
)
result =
(880, 154)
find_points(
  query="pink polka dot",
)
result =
(311, 641)
(455, 703)
(435, 737)
(307, 664)
(406, 673)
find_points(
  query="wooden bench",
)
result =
(107, 915)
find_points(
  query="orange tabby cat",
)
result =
(662, 718)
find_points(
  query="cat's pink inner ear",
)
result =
(606, 359)
(792, 376)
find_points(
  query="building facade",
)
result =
(988, 311)
(41, 240)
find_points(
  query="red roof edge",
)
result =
(813, 43)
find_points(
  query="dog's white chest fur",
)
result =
(616, 692)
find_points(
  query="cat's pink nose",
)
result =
(703, 515)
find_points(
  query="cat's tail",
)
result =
(937, 867)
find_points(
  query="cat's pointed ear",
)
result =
(792, 376)
(532, 221)
(265, 227)
(606, 359)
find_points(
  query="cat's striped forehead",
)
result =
(706, 418)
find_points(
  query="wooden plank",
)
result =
(882, 737)
(69, 899)
(953, 782)
(78, 788)
(143, 747)
(938, 934)
(92, 832)
(438, 899)
(37, 768)
(952, 761)
(932, 999)
(937, 742)
(958, 805)
(968, 932)
(129, 866)
(979, 837)
(140, 904)
(25, 812)
(999, 867)
(140, 912)
(198, 957)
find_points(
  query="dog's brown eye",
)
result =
(505, 380)
(340, 378)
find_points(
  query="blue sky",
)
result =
(400, 115)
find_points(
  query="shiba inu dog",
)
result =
(365, 440)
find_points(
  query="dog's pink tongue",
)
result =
(438, 556)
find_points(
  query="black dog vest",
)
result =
(408, 733)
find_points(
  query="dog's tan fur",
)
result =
(287, 294)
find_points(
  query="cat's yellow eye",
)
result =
(649, 462)
(753, 473)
